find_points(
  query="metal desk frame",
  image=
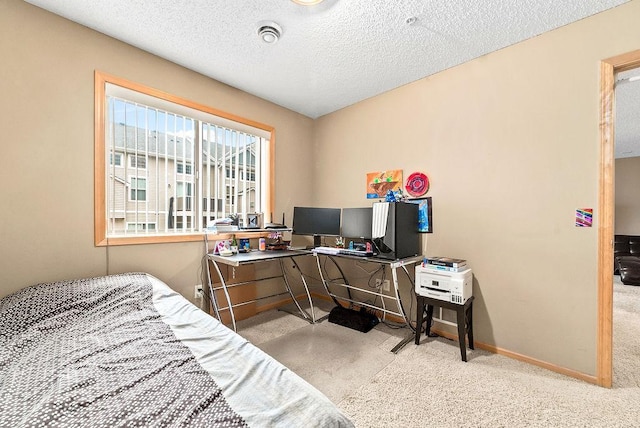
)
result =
(393, 265)
(255, 256)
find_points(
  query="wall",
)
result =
(627, 221)
(510, 144)
(47, 76)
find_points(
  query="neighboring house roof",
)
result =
(155, 142)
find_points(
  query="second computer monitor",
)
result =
(356, 223)
(316, 222)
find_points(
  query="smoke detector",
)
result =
(269, 32)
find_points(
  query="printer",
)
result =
(454, 287)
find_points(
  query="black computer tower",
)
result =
(395, 230)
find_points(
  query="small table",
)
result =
(464, 319)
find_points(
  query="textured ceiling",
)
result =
(330, 55)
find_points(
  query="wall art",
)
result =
(380, 182)
(417, 184)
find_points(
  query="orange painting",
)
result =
(379, 183)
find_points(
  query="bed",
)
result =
(126, 350)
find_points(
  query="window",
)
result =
(183, 222)
(141, 226)
(183, 168)
(137, 161)
(183, 192)
(138, 189)
(249, 176)
(115, 159)
(187, 165)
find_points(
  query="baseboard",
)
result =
(536, 362)
(524, 358)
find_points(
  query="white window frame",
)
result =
(101, 166)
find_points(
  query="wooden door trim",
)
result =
(606, 203)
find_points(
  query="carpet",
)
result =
(272, 324)
(429, 386)
(334, 359)
(626, 335)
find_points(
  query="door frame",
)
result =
(606, 201)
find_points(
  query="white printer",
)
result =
(454, 287)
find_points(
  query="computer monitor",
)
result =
(356, 223)
(316, 222)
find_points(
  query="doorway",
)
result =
(606, 203)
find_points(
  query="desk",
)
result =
(251, 257)
(393, 265)
(464, 319)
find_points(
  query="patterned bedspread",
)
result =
(97, 353)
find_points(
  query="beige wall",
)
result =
(627, 196)
(47, 77)
(510, 143)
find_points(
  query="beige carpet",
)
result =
(428, 385)
(626, 336)
(334, 359)
(273, 324)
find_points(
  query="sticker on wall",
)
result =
(584, 217)
(380, 182)
(417, 184)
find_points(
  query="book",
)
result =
(445, 268)
(445, 261)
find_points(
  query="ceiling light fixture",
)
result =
(269, 32)
(307, 2)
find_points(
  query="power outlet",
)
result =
(197, 292)
(385, 285)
